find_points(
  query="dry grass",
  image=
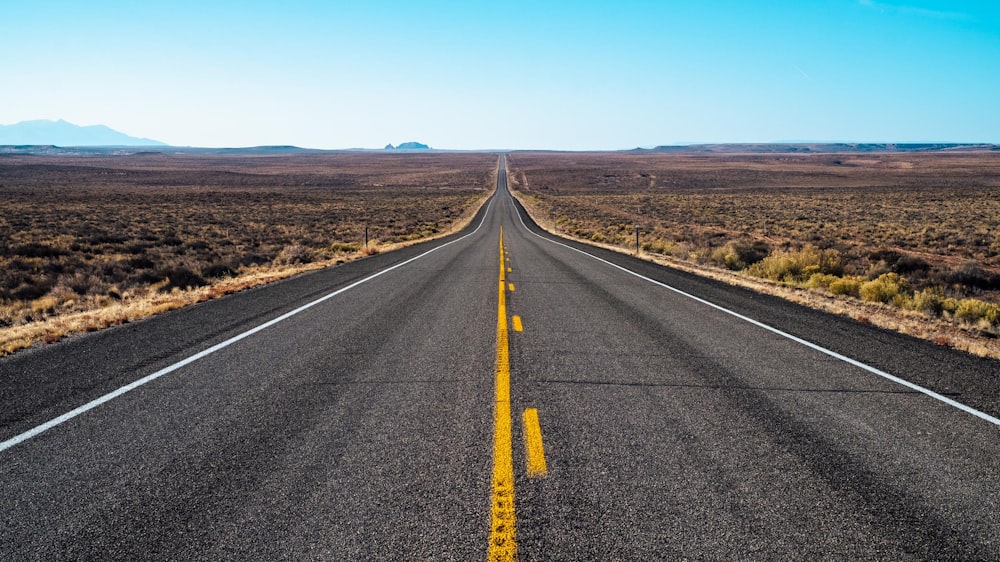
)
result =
(914, 234)
(87, 243)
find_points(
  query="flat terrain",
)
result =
(921, 229)
(356, 413)
(81, 233)
(942, 207)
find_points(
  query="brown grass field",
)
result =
(906, 240)
(88, 242)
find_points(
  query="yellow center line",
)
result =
(533, 447)
(518, 327)
(503, 536)
(510, 287)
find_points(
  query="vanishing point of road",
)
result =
(499, 393)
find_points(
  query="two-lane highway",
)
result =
(380, 413)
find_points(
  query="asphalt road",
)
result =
(365, 426)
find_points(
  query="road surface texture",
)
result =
(371, 412)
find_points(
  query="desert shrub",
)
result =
(138, 248)
(181, 278)
(910, 264)
(54, 267)
(33, 289)
(10, 280)
(657, 246)
(885, 288)
(105, 238)
(971, 311)
(141, 262)
(821, 280)
(344, 247)
(885, 256)
(930, 300)
(82, 283)
(755, 252)
(293, 254)
(45, 305)
(970, 274)
(684, 251)
(597, 237)
(847, 286)
(738, 255)
(149, 277)
(9, 315)
(217, 270)
(884, 261)
(115, 272)
(254, 259)
(796, 266)
(836, 284)
(35, 250)
(779, 267)
(877, 269)
(19, 265)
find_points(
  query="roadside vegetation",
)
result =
(886, 238)
(90, 242)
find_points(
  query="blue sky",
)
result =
(482, 75)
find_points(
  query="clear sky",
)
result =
(513, 74)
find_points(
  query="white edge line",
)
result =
(796, 339)
(167, 370)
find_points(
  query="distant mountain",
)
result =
(408, 146)
(825, 148)
(269, 149)
(61, 133)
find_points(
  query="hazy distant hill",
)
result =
(790, 148)
(61, 133)
(120, 150)
(408, 146)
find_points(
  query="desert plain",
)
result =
(905, 240)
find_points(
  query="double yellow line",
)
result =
(503, 532)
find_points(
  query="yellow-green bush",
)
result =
(885, 288)
(835, 284)
(971, 311)
(727, 257)
(930, 300)
(657, 246)
(818, 280)
(344, 247)
(847, 286)
(796, 266)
